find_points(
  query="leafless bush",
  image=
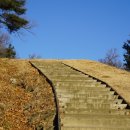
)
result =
(112, 58)
(34, 56)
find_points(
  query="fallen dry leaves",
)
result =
(26, 99)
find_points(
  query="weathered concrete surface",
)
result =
(84, 103)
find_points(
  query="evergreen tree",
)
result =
(11, 12)
(126, 47)
(10, 52)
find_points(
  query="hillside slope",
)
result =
(118, 79)
(26, 98)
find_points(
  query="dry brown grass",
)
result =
(118, 79)
(26, 99)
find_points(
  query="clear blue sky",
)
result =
(75, 29)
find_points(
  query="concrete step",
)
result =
(97, 111)
(59, 71)
(89, 100)
(68, 77)
(83, 96)
(94, 100)
(89, 120)
(47, 67)
(55, 66)
(85, 88)
(114, 99)
(79, 86)
(87, 93)
(75, 81)
(64, 79)
(62, 70)
(66, 90)
(95, 105)
(72, 84)
(95, 128)
(53, 73)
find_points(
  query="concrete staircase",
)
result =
(85, 103)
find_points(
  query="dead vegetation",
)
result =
(26, 99)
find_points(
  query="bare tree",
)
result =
(34, 56)
(6, 48)
(112, 58)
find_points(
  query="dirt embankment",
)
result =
(26, 99)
